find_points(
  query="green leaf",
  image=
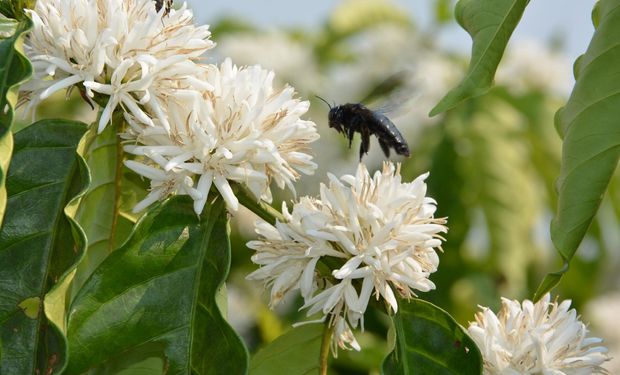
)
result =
(295, 352)
(14, 69)
(145, 361)
(38, 242)
(429, 341)
(590, 130)
(8, 26)
(157, 293)
(490, 25)
(98, 210)
(15, 8)
(596, 16)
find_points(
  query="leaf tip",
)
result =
(449, 101)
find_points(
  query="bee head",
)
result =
(335, 119)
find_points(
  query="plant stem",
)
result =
(328, 331)
(119, 124)
(260, 208)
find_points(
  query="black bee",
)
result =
(355, 117)
(166, 4)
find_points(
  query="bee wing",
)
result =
(398, 104)
(393, 97)
(386, 87)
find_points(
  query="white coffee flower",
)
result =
(541, 338)
(124, 49)
(377, 235)
(343, 336)
(163, 184)
(239, 129)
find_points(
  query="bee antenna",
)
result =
(324, 101)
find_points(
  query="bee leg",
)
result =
(350, 133)
(385, 147)
(365, 145)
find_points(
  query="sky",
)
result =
(544, 20)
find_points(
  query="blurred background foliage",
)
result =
(493, 162)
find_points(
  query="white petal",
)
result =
(224, 188)
(59, 85)
(152, 197)
(307, 278)
(388, 294)
(347, 268)
(145, 170)
(204, 184)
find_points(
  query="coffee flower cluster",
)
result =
(241, 130)
(536, 338)
(376, 235)
(125, 49)
(191, 125)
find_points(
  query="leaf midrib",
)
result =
(88, 313)
(205, 242)
(493, 39)
(60, 213)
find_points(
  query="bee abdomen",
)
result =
(388, 132)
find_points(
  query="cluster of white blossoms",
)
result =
(373, 235)
(541, 338)
(191, 125)
(240, 130)
(124, 49)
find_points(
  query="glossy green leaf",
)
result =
(157, 294)
(15, 8)
(145, 361)
(8, 26)
(295, 352)
(429, 341)
(98, 210)
(596, 16)
(38, 242)
(590, 130)
(14, 69)
(490, 25)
